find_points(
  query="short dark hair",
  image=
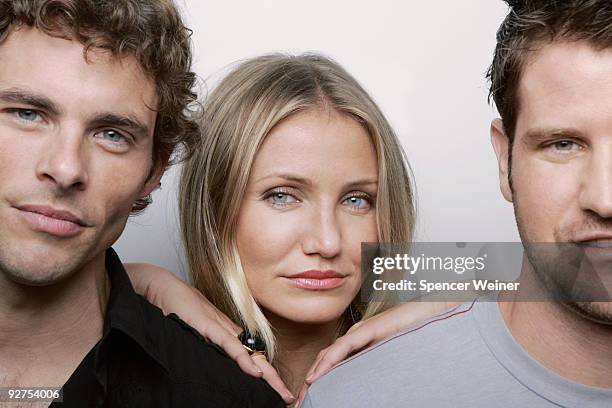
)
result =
(151, 31)
(532, 23)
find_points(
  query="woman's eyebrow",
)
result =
(286, 176)
(362, 183)
(307, 182)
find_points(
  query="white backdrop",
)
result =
(422, 61)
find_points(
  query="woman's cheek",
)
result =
(355, 231)
(265, 238)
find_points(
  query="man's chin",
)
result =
(37, 272)
(598, 312)
(39, 277)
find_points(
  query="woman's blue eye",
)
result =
(282, 198)
(28, 115)
(357, 202)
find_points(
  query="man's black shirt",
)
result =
(145, 359)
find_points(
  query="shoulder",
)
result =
(429, 334)
(420, 356)
(192, 361)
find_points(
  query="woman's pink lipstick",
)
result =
(317, 280)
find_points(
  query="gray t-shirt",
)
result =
(466, 357)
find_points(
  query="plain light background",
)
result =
(423, 62)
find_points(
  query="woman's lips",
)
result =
(317, 280)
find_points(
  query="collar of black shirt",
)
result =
(124, 313)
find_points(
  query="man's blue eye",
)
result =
(112, 136)
(564, 145)
(28, 115)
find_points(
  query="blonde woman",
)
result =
(297, 167)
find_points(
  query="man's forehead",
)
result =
(59, 69)
(564, 61)
(566, 85)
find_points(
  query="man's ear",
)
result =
(501, 145)
(153, 181)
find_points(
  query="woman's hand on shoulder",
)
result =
(172, 295)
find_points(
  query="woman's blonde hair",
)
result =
(238, 115)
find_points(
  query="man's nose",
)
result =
(596, 194)
(63, 160)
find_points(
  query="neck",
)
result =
(298, 347)
(46, 331)
(568, 344)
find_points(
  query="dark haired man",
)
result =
(546, 345)
(93, 99)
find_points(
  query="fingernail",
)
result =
(310, 377)
(289, 397)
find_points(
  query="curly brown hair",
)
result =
(151, 31)
(531, 24)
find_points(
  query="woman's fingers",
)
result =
(272, 378)
(342, 348)
(210, 310)
(301, 396)
(228, 325)
(313, 368)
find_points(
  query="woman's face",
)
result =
(309, 204)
